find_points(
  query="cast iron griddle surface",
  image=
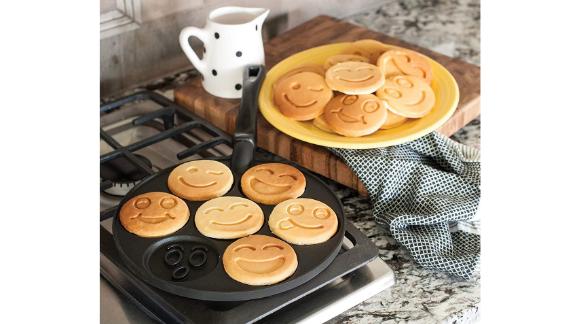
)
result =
(145, 256)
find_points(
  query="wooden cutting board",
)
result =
(319, 31)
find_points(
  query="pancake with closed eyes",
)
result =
(259, 260)
(228, 217)
(354, 78)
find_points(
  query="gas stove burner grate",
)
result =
(171, 121)
(122, 174)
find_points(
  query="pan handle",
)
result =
(245, 134)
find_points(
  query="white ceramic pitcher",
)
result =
(232, 39)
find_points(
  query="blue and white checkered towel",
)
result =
(426, 192)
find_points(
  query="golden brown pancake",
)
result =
(259, 260)
(407, 96)
(200, 180)
(271, 183)
(405, 62)
(303, 221)
(354, 78)
(355, 115)
(154, 214)
(302, 96)
(229, 217)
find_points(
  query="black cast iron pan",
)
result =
(187, 263)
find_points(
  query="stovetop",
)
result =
(144, 133)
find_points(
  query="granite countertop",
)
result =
(419, 295)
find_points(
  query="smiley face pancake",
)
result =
(341, 58)
(200, 180)
(355, 115)
(404, 62)
(368, 48)
(303, 221)
(407, 96)
(302, 96)
(154, 214)
(393, 120)
(354, 78)
(271, 183)
(259, 260)
(229, 217)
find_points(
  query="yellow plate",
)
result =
(443, 84)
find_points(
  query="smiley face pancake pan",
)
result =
(190, 264)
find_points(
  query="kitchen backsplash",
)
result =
(139, 38)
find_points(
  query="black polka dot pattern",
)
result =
(239, 53)
(256, 27)
(214, 73)
(238, 86)
(216, 35)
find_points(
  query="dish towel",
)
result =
(426, 193)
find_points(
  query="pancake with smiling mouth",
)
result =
(242, 220)
(356, 80)
(303, 221)
(259, 260)
(200, 180)
(183, 181)
(153, 214)
(301, 96)
(261, 266)
(265, 188)
(272, 183)
(153, 219)
(310, 104)
(292, 223)
(228, 217)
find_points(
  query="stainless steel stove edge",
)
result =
(329, 302)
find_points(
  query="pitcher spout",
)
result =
(238, 15)
(261, 14)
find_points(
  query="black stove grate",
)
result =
(168, 113)
(168, 308)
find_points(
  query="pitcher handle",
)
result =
(199, 64)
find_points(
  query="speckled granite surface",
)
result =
(419, 295)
